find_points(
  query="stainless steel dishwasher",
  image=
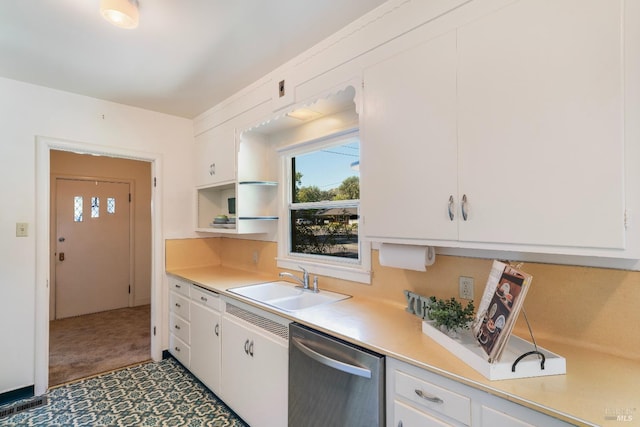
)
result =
(333, 383)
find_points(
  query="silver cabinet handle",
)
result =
(463, 207)
(203, 299)
(217, 329)
(177, 349)
(178, 286)
(177, 327)
(212, 169)
(251, 349)
(451, 207)
(429, 397)
(332, 363)
(178, 305)
(246, 347)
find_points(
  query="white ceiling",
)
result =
(185, 56)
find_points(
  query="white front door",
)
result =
(92, 246)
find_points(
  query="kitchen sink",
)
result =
(287, 297)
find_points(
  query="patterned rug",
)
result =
(151, 394)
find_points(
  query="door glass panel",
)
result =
(111, 205)
(95, 207)
(77, 209)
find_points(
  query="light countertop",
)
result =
(596, 386)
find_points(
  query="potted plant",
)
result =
(449, 315)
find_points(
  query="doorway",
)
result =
(99, 295)
(145, 287)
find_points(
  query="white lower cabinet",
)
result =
(492, 417)
(406, 416)
(433, 399)
(179, 320)
(206, 340)
(179, 349)
(418, 398)
(255, 359)
(195, 330)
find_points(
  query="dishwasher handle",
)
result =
(332, 363)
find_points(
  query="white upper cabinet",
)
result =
(215, 156)
(236, 177)
(409, 155)
(540, 124)
(505, 132)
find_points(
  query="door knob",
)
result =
(61, 256)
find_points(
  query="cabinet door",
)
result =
(215, 156)
(205, 345)
(409, 159)
(254, 378)
(540, 91)
(493, 418)
(406, 416)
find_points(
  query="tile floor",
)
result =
(151, 394)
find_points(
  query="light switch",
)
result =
(22, 229)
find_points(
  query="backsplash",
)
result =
(594, 308)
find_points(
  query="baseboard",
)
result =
(17, 394)
(142, 301)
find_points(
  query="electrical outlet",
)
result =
(466, 287)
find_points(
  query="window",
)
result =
(323, 206)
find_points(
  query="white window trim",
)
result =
(350, 270)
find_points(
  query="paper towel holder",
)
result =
(406, 256)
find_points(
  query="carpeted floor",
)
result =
(95, 343)
(149, 394)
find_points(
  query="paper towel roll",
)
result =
(409, 257)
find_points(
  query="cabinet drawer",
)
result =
(406, 416)
(180, 350)
(179, 305)
(434, 398)
(179, 286)
(180, 328)
(494, 418)
(206, 297)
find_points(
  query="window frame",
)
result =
(357, 270)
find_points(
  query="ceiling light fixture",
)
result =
(121, 13)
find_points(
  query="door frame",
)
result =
(54, 231)
(44, 145)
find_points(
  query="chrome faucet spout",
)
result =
(304, 281)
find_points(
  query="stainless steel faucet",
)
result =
(304, 281)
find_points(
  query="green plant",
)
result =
(450, 313)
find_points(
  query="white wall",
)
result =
(27, 111)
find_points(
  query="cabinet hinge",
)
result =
(155, 184)
(129, 197)
(154, 331)
(129, 288)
